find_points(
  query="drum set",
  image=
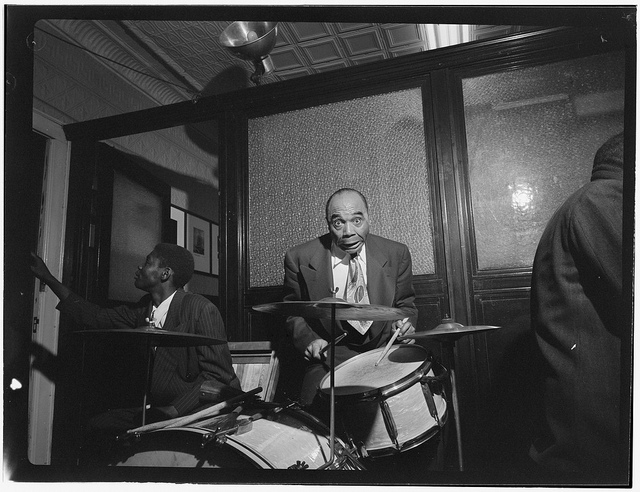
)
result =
(387, 401)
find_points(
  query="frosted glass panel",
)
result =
(297, 159)
(532, 135)
(135, 229)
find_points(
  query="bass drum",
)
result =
(288, 439)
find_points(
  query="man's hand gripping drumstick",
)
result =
(402, 327)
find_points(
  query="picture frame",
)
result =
(178, 216)
(198, 242)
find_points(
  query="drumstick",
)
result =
(390, 342)
(326, 347)
(207, 412)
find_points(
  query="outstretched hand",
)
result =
(39, 268)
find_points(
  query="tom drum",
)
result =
(388, 408)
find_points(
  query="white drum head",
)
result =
(360, 374)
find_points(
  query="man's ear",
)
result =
(166, 274)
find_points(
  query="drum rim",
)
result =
(384, 391)
(427, 435)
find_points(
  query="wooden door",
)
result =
(110, 195)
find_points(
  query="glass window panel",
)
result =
(532, 135)
(297, 159)
(136, 227)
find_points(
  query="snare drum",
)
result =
(388, 408)
(289, 439)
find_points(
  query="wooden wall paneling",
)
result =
(458, 258)
(233, 189)
(446, 167)
(508, 388)
(435, 286)
(457, 289)
(263, 326)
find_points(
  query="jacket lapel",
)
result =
(317, 274)
(377, 274)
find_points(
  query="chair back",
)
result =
(256, 364)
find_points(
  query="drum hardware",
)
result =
(153, 337)
(447, 333)
(433, 411)
(436, 381)
(245, 424)
(333, 309)
(363, 450)
(392, 430)
(299, 465)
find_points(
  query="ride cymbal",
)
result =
(332, 307)
(449, 330)
(154, 336)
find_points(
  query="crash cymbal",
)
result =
(332, 306)
(449, 330)
(154, 336)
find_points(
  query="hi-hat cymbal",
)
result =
(449, 330)
(155, 337)
(329, 307)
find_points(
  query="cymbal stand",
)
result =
(332, 392)
(449, 347)
(147, 381)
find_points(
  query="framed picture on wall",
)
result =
(215, 270)
(198, 238)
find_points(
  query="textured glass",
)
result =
(298, 159)
(532, 135)
(136, 227)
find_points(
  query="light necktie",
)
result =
(357, 292)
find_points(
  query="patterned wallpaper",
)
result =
(297, 159)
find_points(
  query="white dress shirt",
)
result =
(159, 314)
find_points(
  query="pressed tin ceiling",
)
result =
(186, 57)
(302, 48)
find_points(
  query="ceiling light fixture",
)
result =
(252, 41)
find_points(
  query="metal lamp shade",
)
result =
(251, 41)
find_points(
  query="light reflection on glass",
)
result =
(522, 195)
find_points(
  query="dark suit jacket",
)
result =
(308, 276)
(577, 314)
(178, 372)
